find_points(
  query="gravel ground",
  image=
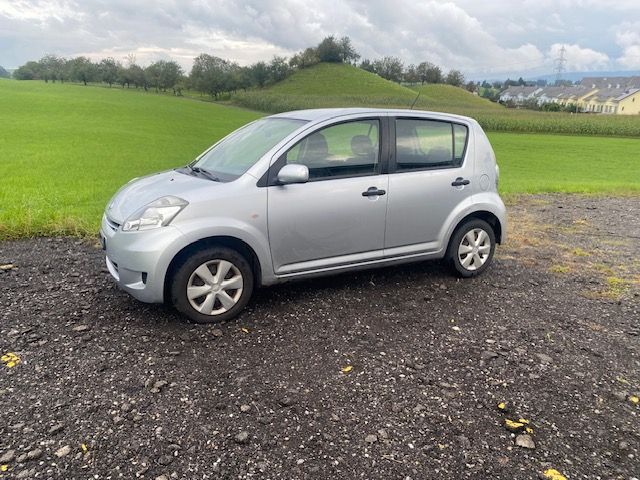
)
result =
(395, 373)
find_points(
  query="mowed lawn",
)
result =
(535, 163)
(65, 149)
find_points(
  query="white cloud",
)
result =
(579, 58)
(628, 37)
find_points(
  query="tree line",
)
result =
(215, 76)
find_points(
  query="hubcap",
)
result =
(474, 249)
(214, 287)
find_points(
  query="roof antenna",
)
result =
(414, 102)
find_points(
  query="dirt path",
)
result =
(133, 391)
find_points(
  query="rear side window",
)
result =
(349, 149)
(428, 144)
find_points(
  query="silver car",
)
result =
(302, 194)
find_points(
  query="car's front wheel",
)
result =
(471, 247)
(212, 285)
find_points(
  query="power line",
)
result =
(560, 62)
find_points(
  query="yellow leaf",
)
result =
(512, 425)
(623, 380)
(347, 369)
(553, 474)
(634, 399)
(84, 448)
(523, 420)
(4, 468)
(502, 405)
(529, 430)
(245, 330)
(10, 359)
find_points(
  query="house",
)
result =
(613, 95)
(622, 101)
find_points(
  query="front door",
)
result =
(338, 217)
(428, 179)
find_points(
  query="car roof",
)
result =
(322, 114)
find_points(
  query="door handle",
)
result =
(459, 182)
(372, 192)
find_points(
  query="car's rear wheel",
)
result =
(471, 247)
(212, 285)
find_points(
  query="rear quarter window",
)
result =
(428, 144)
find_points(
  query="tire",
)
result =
(476, 236)
(217, 303)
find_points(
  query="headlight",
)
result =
(158, 213)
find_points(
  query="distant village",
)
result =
(612, 95)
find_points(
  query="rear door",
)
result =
(429, 176)
(338, 217)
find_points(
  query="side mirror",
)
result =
(293, 173)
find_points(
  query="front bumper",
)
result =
(138, 261)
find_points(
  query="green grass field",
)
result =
(67, 148)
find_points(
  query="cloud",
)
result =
(479, 38)
(628, 37)
(578, 58)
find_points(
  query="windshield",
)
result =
(239, 151)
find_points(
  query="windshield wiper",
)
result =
(204, 172)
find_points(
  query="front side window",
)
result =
(238, 152)
(346, 150)
(427, 144)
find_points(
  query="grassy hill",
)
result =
(329, 79)
(448, 97)
(337, 85)
(326, 85)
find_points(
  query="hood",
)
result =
(142, 191)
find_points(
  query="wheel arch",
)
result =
(233, 243)
(485, 215)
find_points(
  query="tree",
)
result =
(259, 74)
(278, 69)
(210, 74)
(455, 78)
(329, 50)
(367, 65)
(390, 68)
(4, 73)
(471, 86)
(51, 68)
(411, 74)
(82, 69)
(304, 59)
(28, 71)
(348, 53)
(170, 74)
(137, 76)
(108, 70)
(429, 73)
(152, 75)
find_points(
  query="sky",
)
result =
(489, 38)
